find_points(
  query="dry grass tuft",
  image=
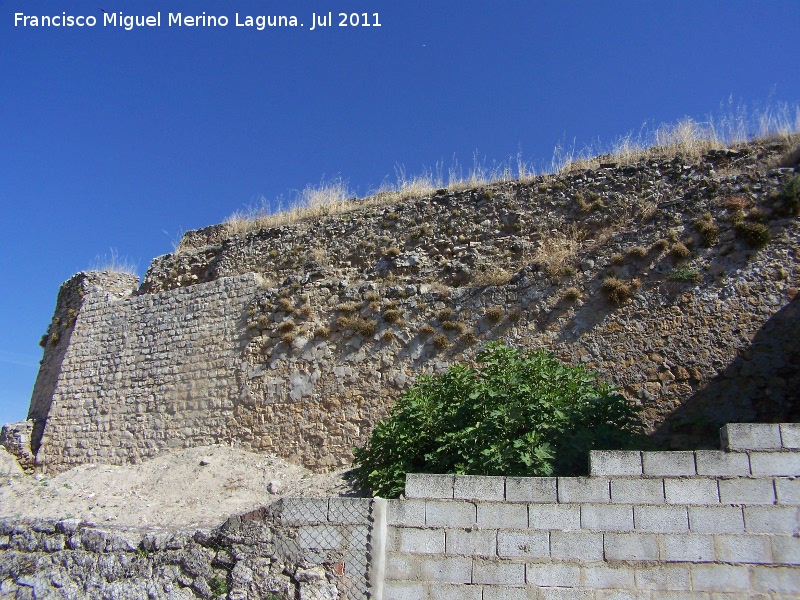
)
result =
(494, 314)
(617, 290)
(558, 250)
(492, 276)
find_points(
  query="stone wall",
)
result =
(295, 339)
(310, 549)
(56, 340)
(147, 372)
(702, 525)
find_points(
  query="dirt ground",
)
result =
(198, 487)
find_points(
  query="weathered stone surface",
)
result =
(295, 339)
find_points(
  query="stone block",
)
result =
(454, 569)
(716, 519)
(630, 546)
(471, 543)
(527, 544)
(720, 578)
(579, 545)
(750, 436)
(531, 489)
(415, 541)
(604, 576)
(788, 491)
(752, 549)
(771, 519)
(691, 491)
(496, 515)
(449, 514)
(664, 577)
(637, 491)
(498, 573)
(424, 485)
(554, 516)
(746, 491)
(780, 580)
(556, 574)
(474, 487)
(661, 519)
(410, 513)
(785, 549)
(605, 517)
(349, 510)
(765, 464)
(668, 464)
(716, 463)
(790, 436)
(583, 489)
(615, 462)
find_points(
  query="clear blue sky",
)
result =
(122, 139)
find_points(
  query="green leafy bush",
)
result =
(518, 414)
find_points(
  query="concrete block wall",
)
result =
(702, 525)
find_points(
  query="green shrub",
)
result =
(518, 414)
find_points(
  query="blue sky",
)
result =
(115, 139)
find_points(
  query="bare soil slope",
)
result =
(185, 488)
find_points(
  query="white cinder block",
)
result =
(424, 485)
(479, 488)
(661, 519)
(668, 464)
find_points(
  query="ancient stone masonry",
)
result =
(674, 278)
(702, 525)
(148, 372)
(311, 549)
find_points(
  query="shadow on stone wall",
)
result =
(762, 384)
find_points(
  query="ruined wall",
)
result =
(311, 549)
(295, 339)
(147, 372)
(56, 341)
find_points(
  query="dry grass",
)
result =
(492, 276)
(687, 137)
(114, 263)
(558, 250)
(617, 290)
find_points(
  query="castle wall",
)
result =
(148, 372)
